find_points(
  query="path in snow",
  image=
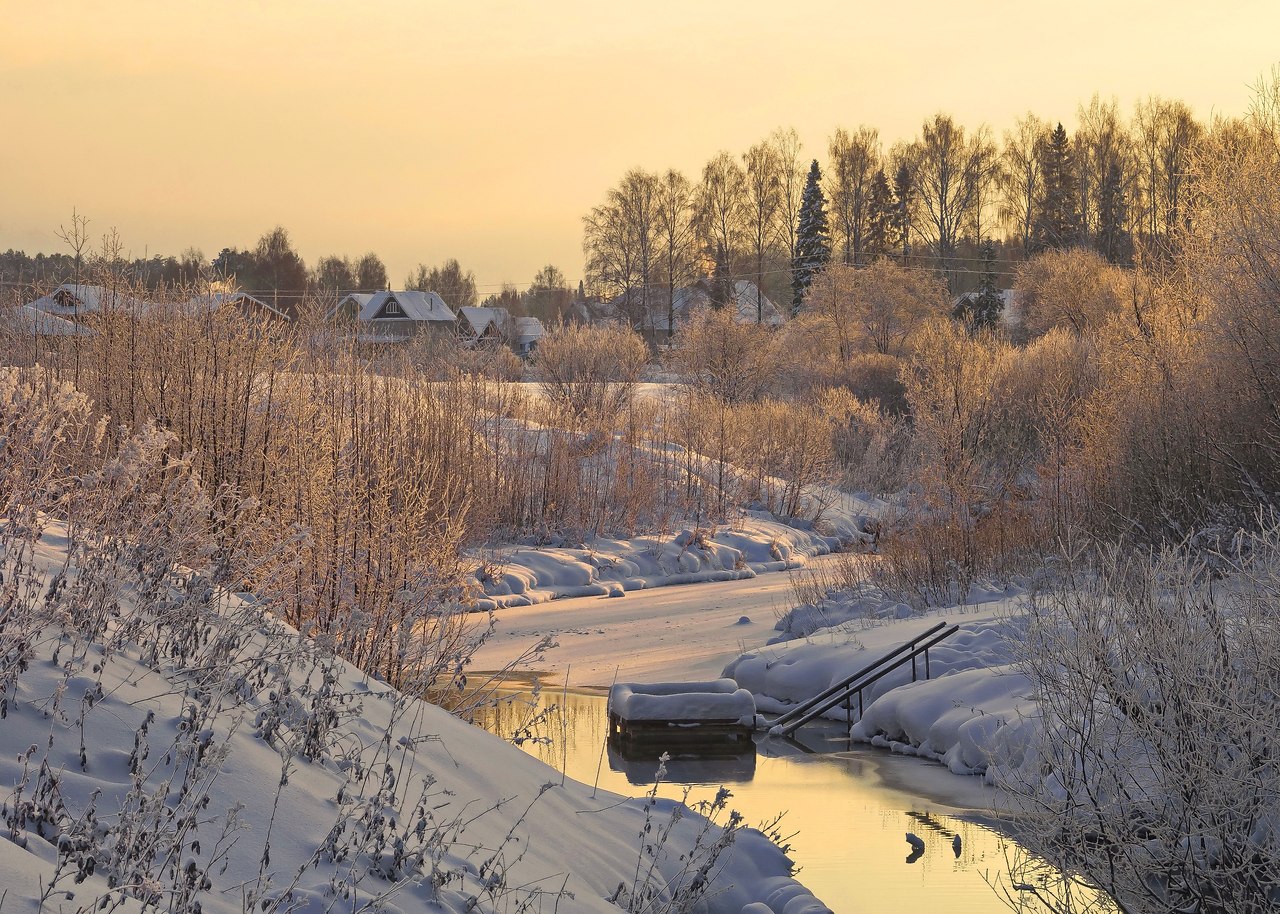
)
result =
(686, 632)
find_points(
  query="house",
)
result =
(485, 327)
(396, 316)
(529, 331)
(1010, 312)
(250, 307)
(33, 322)
(656, 323)
(349, 307)
(79, 301)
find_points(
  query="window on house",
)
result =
(393, 307)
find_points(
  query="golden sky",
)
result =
(484, 130)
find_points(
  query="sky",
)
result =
(483, 130)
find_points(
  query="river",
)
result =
(849, 809)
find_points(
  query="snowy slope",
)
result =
(255, 772)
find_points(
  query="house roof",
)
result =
(359, 299)
(529, 330)
(215, 300)
(73, 299)
(30, 321)
(477, 320)
(418, 306)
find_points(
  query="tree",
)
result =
(1021, 178)
(1104, 170)
(333, 274)
(277, 265)
(676, 253)
(722, 358)
(1113, 239)
(763, 172)
(1166, 137)
(548, 296)
(854, 160)
(876, 308)
(453, 284)
(904, 193)
(620, 243)
(1057, 220)
(787, 142)
(722, 214)
(371, 273)
(949, 177)
(882, 236)
(813, 239)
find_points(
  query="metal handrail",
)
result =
(843, 684)
(822, 706)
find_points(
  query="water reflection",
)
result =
(850, 810)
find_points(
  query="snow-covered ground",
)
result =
(970, 714)
(756, 543)
(264, 775)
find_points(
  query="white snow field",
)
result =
(255, 773)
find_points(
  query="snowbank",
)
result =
(970, 715)
(272, 776)
(758, 543)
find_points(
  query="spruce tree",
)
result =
(983, 309)
(1114, 241)
(813, 238)
(903, 190)
(881, 237)
(1057, 221)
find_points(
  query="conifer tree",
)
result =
(881, 234)
(903, 191)
(1057, 223)
(1114, 241)
(813, 237)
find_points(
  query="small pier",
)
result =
(681, 714)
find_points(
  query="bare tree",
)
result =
(855, 157)
(1021, 183)
(722, 217)
(793, 169)
(763, 201)
(1166, 135)
(950, 170)
(675, 214)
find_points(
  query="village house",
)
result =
(395, 316)
(655, 322)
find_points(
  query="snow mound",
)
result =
(719, 700)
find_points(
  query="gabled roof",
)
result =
(357, 299)
(30, 321)
(423, 307)
(476, 321)
(75, 299)
(215, 300)
(529, 330)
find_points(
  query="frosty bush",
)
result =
(1157, 688)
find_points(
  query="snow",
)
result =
(163, 746)
(755, 544)
(718, 700)
(971, 714)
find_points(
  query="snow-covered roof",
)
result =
(215, 300)
(356, 301)
(30, 321)
(529, 330)
(423, 307)
(76, 299)
(476, 320)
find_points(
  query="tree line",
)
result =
(1120, 186)
(273, 266)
